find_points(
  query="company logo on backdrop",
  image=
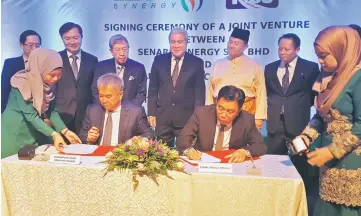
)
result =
(187, 5)
(247, 4)
(191, 5)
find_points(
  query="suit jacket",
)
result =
(11, 66)
(134, 78)
(133, 122)
(298, 99)
(202, 125)
(175, 104)
(73, 96)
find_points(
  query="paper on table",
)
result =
(79, 149)
(209, 158)
(206, 158)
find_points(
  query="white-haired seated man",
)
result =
(112, 122)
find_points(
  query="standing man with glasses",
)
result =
(73, 93)
(176, 87)
(29, 40)
(131, 72)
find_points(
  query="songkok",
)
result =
(241, 34)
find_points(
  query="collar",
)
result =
(78, 54)
(228, 126)
(292, 64)
(174, 58)
(117, 109)
(235, 59)
(119, 65)
(25, 60)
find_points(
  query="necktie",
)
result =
(220, 137)
(175, 73)
(286, 79)
(74, 66)
(285, 83)
(120, 71)
(107, 135)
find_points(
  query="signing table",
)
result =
(41, 188)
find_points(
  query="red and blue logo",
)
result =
(247, 4)
(192, 5)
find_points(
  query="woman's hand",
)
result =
(58, 141)
(71, 136)
(320, 156)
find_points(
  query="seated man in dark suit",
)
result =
(112, 122)
(131, 72)
(222, 126)
(29, 40)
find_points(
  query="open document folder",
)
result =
(79, 149)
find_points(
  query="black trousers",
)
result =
(168, 133)
(310, 175)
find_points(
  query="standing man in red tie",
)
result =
(131, 72)
(176, 87)
(73, 91)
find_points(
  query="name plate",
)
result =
(65, 159)
(215, 168)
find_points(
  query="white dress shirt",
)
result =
(115, 130)
(282, 70)
(25, 61)
(77, 61)
(226, 137)
(173, 65)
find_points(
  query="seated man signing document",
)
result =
(222, 126)
(111, 122)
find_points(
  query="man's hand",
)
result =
(58, 141)
(259, 124)
(152, 121)
(320, 156)
(237, 156)
(93, 135)
(193, 154)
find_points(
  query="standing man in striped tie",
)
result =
(176, 87)
(131, 72)
(289, 84)
(73, 93)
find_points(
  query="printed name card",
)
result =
(65, 159)
(215, 168)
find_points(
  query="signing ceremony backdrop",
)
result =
(146, 24)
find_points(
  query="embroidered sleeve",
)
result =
(343, 144)
(314, 127)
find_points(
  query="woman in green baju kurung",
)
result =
(337, 124)
(31, 100)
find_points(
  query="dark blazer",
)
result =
(11, 66)
(73, 96)
(298, 99)
(133, 122)
(135, 88)
(175, 104)
(202, 125)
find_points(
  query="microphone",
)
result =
(253, 170)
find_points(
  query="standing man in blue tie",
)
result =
(29, 40)
(131, 72)
(176, 87)
(73, 93)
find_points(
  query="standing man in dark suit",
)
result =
(131, 72)
(290, 97)
(176, 87)
(222, 126)
(73, 91)
(113, 122)
(29, 40)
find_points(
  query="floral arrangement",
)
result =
(143, 157)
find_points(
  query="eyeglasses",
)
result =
(33, 45)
